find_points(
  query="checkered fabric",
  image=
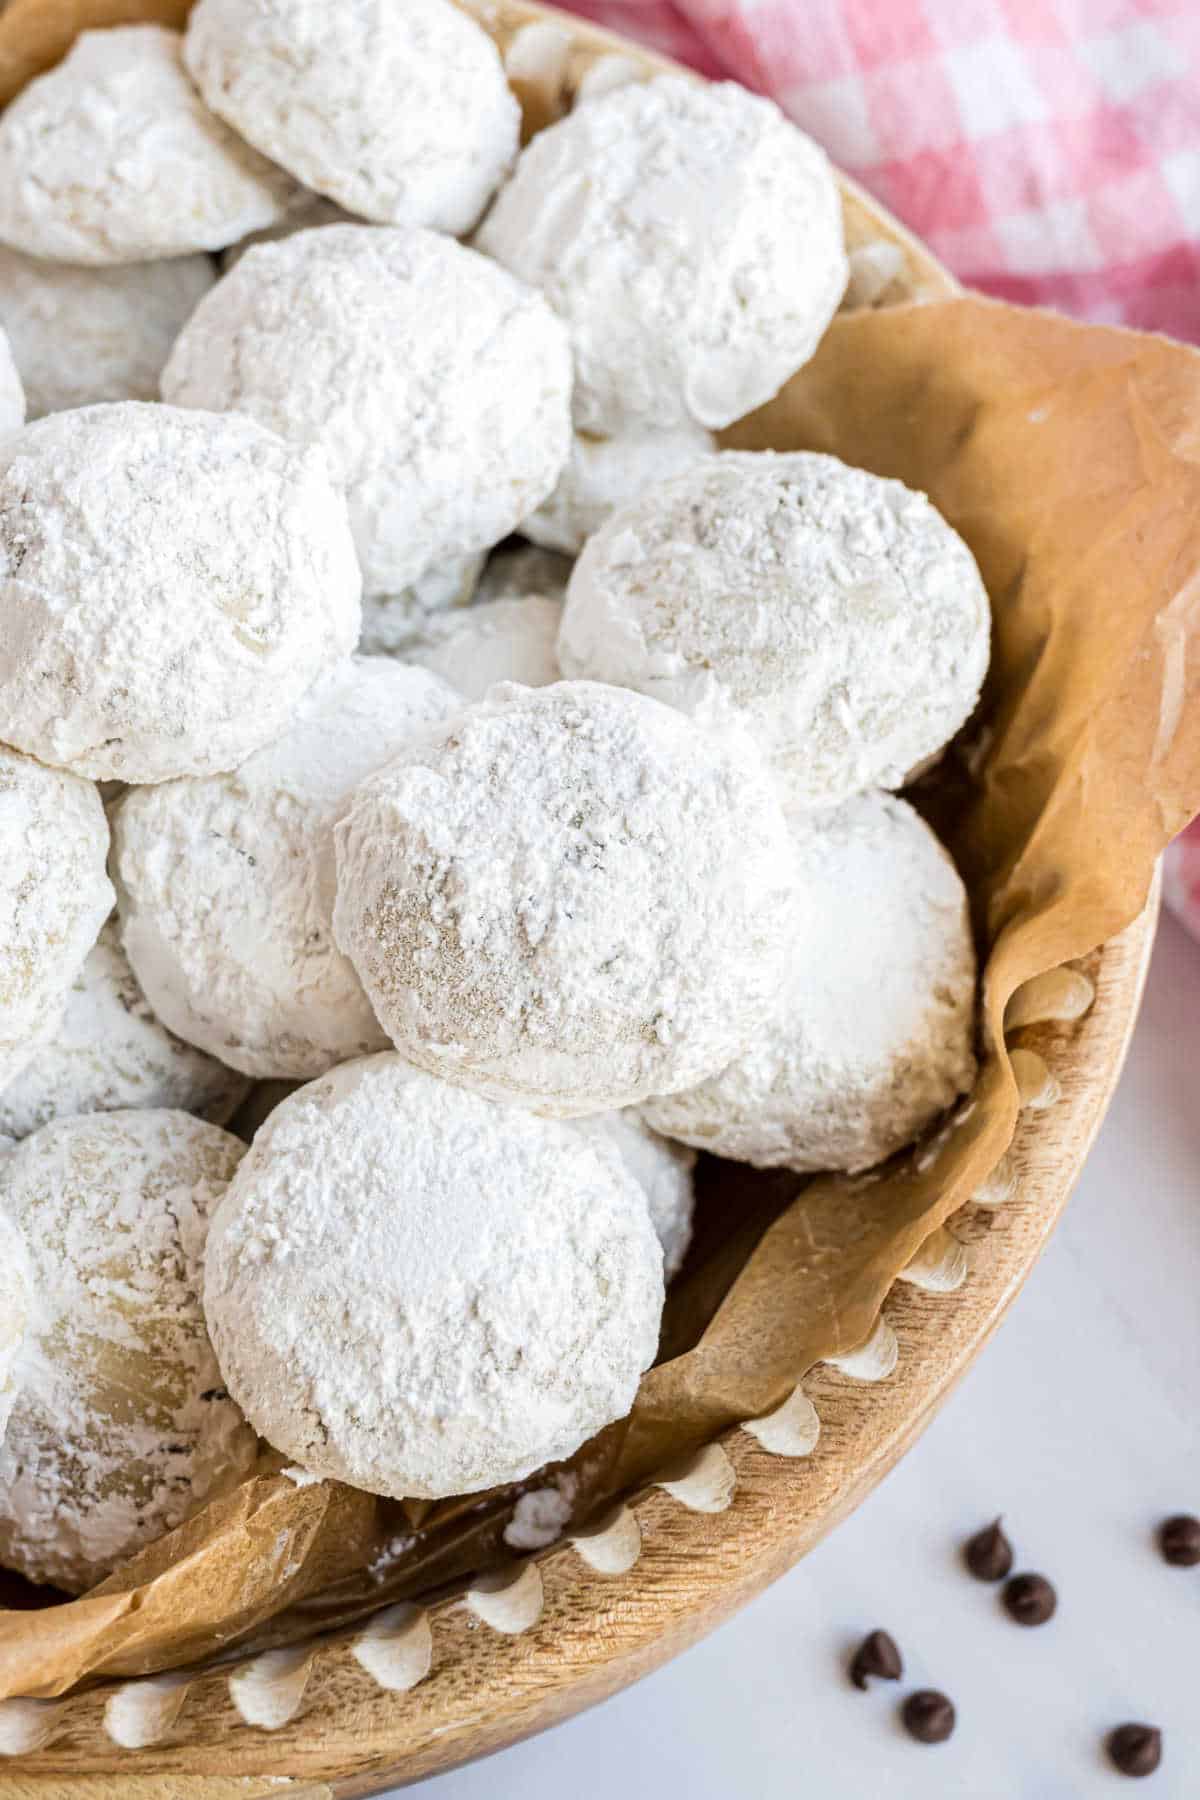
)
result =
(1047, 150)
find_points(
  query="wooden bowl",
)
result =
(419, 1689)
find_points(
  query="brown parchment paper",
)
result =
(1069, 458)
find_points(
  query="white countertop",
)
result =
(1081, 1423)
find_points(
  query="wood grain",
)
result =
(596, 1634)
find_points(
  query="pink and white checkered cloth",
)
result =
(1047, 150)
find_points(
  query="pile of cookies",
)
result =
(521, 871)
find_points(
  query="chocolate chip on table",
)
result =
(1029, 1599)
(989, 1555)
(876, 1655)
(1179, 1540)
(928, 1716)
(1135, 1749)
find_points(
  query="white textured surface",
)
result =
(13, 399)
(498, 640)
(108, 1052)
(422, 1293)
(14, 1308)
(836, 611)
(569, 896)
(524, 569)
(172, 584)
(120, 1428)
(437, 384)
(54, 896)
(391, 623)
(663, 1171)
(111, 157)
(227, 884)
(871, 1029)
(604, 474)
(400, 112)
(82, 335)
(691, 238)
(1079, 1423)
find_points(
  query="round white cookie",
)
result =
(423, 1294)
(519, 569)
(13, 402)
(871, 1034)
(172, 584)
(437, 384)
(108, 1052)
(111, 157)
(391, 622)
(121, 1427)
(227, 883)
(605, 474)
(82, 335)
(498, 640)
(836, 611)
(14, 1307)
(401, 113)
(569, 897)
(662, 1170)
(692, 240)
(54, 897)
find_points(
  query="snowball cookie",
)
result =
(227, 884)
(54, 897)
(872, 1029)
(604, 474)
(692, 240)
(662, 1170)
(569, 897)
(83, 335)
(171, 586)
(401, 113)
(12, 391)
(121, 1427)
(438, 386)
(14, 1308)
(520, 569)
(500, 640)
(423, 1294)
(391, 622)
(837, 612)
(112, 158)
(109, 1052)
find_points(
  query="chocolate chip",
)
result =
(876, 1655)
(1135, 1749)
(928, 1716)
(1179, 1540)
(989, 1555)
(1030, 1599)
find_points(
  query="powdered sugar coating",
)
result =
(663, 1171)
(54, 897)
(392, 622)
(498, 640)
(12, 390)
(108, 1052)
(691, 238)
(872, 1032)
(111, 157)
(603, 475)
(569, 897)
(424, 1294)
(82, 335)
(836, 611)
(171, 586)
(400, 113)
(14, 1308)
(227, 884)
(437, 384)
(121, 1427)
